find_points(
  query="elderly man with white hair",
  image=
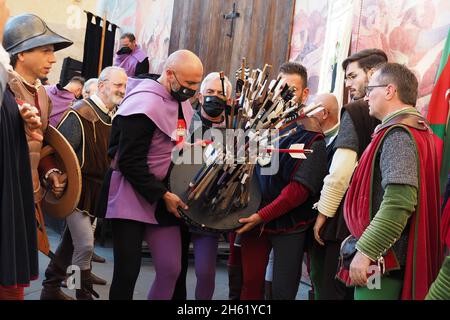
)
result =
(211, 114)
(213, 101)
(87, 127)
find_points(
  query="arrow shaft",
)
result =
(289, 150)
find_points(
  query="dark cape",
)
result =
(18, 239)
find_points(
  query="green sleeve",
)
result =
(399, 202)
(440, 289)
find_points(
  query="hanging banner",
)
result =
(92, 46)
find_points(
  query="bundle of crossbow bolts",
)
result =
(266, 113)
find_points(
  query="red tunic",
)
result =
(424, 255)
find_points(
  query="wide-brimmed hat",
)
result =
(67, 162)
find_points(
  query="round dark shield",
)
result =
(202, 213)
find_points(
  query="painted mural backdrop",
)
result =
(149, 20)
(411, 32)
(310, 22)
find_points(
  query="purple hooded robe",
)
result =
(150, 98)
(61, 101)
(129, 61)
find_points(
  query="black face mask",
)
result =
(214, 106)
(124, 50)
(183, 93)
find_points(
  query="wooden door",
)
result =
(261, 32)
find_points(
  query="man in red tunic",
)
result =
(392, 205)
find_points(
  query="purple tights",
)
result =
(165, 246)
(205, 253)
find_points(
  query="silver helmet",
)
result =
(27, 31)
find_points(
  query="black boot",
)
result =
(234, 282)
(87, 291)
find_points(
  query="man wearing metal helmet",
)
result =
(31, 46)
(18, 249)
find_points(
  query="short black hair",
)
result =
(78, 79)
(128, 35)
(295, 68)
(403, 78)
(13, 60)
(367, 59)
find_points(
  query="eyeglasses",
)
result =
(370, 88)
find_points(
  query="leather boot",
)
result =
(97, 258)
(87, 291)
(56, 270)
(97, 280)
(54, 294)
(52, 284)
(234, 282)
